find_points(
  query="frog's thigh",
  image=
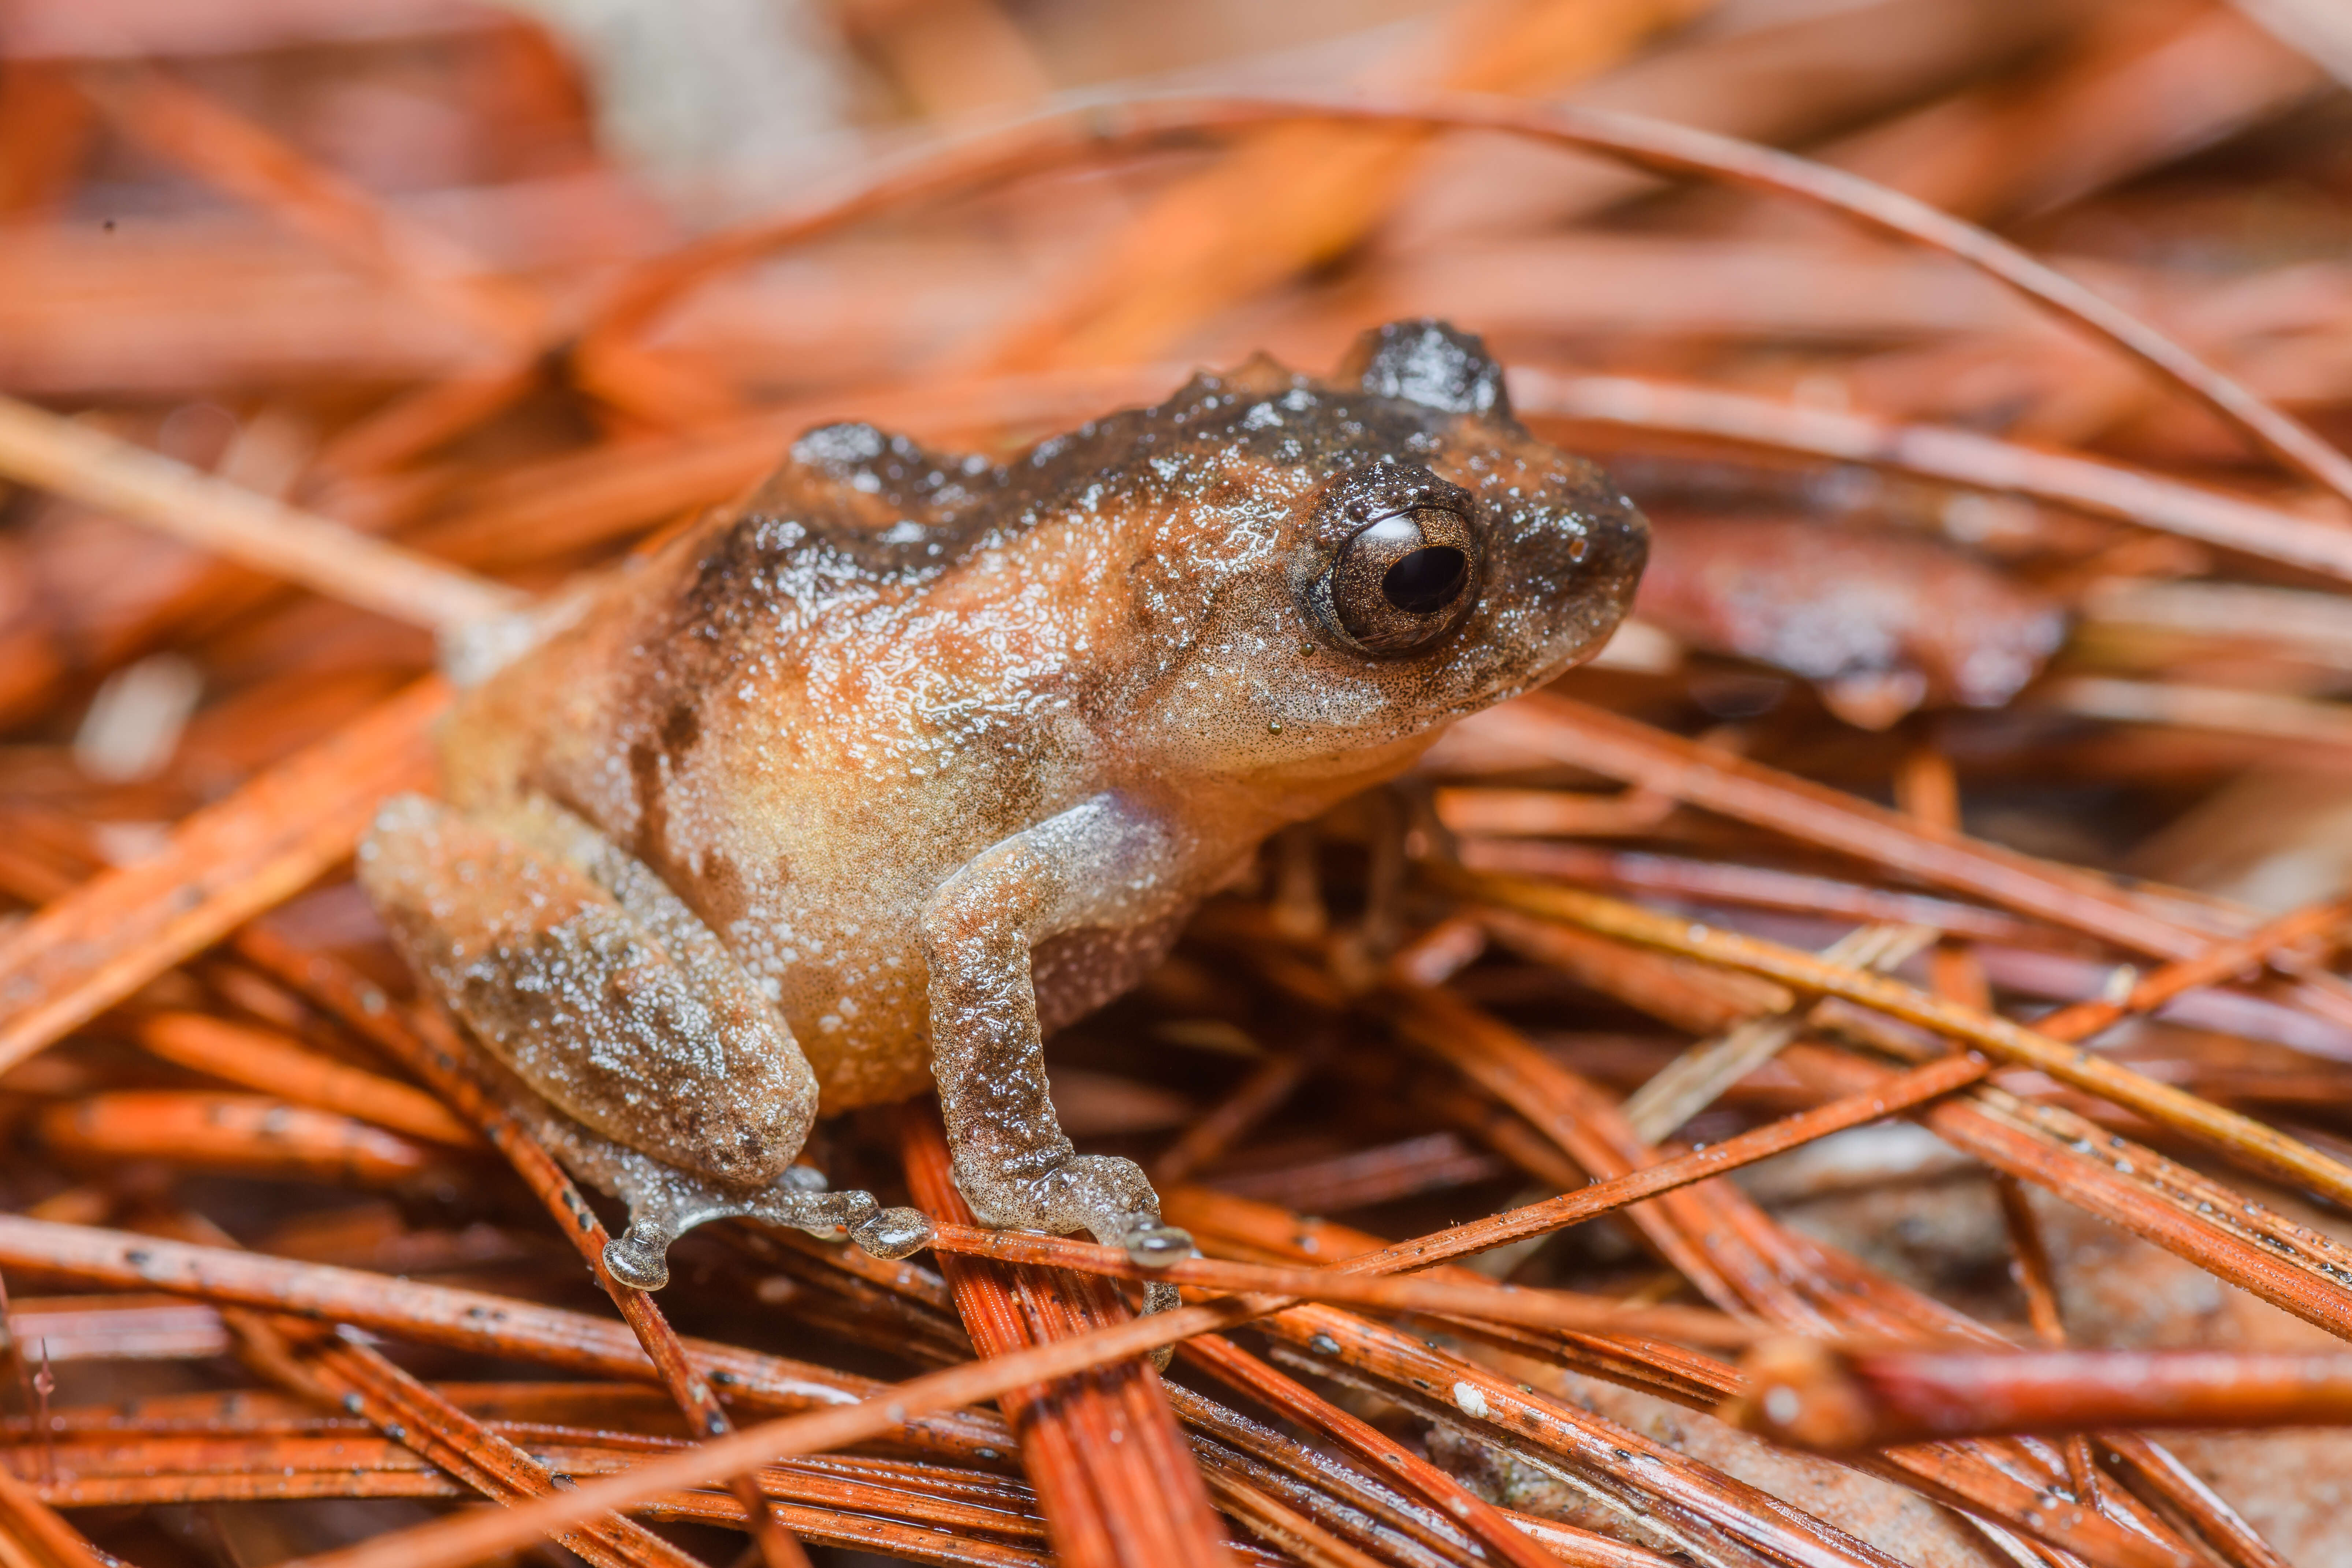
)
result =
(1100, 863)
(580, 970)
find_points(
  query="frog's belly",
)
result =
(865, 1024)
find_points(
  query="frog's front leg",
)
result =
(1104, 863)
(631, 1041)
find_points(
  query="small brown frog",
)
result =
(875, 779)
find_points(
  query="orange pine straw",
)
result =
(462, 1541)
(1654, 145)
(1503, 1304)
(223, 148)
(458, 1541)
(106, 1459)
(1813, 1396)
(1297, 195)
(423, 1041)
(35, 1536)
(1598, 740)
(314, 1361)
(476, 1321)
(2094, 486)
(261, 1060)
(2202, 1221)
(448, 1542)
(223, 865)
(1987, 1032)
(1114, 1476)
(250, 1133)
(2222, 961)
(1494, 1303)
(1376, 1449)
(573, 418)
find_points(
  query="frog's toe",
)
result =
(1101, 1194)
(661, 1212)
(1104, 1196)
(639, 1257)
(1154, 1243)
(893, 1234)
(1150, 1241)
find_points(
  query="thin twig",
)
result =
(99, 470)
(1660, 147)
(1815, 1397)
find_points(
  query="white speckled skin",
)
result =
(903, 730)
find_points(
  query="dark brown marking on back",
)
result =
(652, 843)
(722, 888)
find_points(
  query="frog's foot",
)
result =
(1100, 1194)
(666, 1202)
(673, 1202)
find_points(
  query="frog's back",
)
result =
(851, 637)
(745, 617)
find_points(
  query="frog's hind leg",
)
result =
(630, 1038)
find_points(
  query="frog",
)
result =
(861, 787)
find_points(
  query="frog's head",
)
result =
(1349, 564)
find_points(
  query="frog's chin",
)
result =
(1331, 775)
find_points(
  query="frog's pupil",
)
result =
(1425, 581)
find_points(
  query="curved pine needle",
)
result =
(1090, 130)
(2093, 486)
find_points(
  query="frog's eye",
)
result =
(1404, 581)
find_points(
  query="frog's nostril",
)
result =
(1425, 581)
